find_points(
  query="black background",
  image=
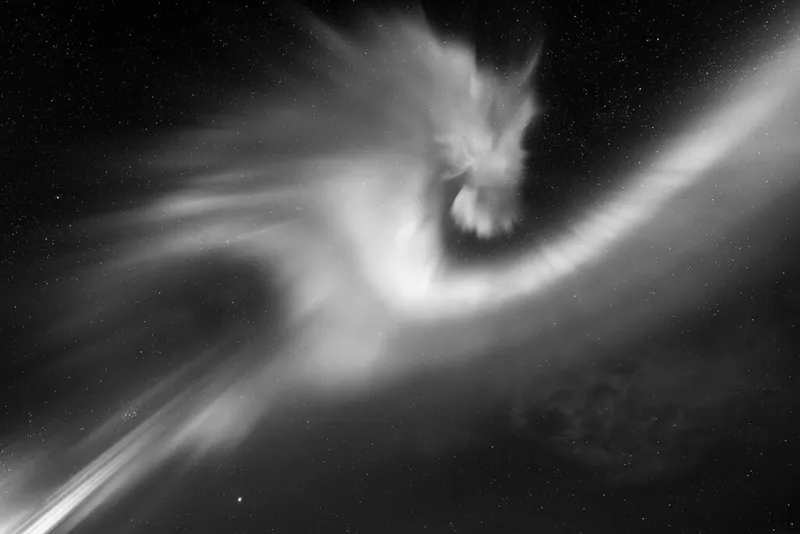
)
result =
(85, 83)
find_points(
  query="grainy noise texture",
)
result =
(323, 283)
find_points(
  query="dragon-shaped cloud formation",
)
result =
(332, 189)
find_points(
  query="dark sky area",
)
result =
(690, 427)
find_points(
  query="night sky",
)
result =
(687, 426)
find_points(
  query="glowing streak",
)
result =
(184, 423)
(400, 261)
(714, 139)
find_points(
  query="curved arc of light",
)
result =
(640, 201)
(419, 289)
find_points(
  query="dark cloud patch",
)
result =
(667, 405)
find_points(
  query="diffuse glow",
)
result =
(354, 234)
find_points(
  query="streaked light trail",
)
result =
(352, 229)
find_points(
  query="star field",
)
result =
(690, 426)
